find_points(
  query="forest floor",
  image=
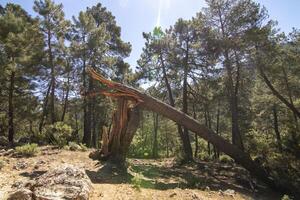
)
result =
(146, 179)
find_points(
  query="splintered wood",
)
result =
(124, 122)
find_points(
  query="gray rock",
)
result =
(21, 194)
(229, 192)
(20, 165)
(65, 182)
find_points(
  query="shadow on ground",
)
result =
(163, 176)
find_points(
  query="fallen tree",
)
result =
(142, 100)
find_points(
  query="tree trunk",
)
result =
(86, 111)
(196, 136)
(289, 91)
(276, 129)
(155, 130)
(52, 94)
(44, 113)
(66, 99)
(125, 123)
(184, 138)
(11, 131)
(187, 143)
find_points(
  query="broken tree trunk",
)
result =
(115, 144)
(147, 102)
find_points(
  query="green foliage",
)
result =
(226, 159)
(28, 149)
(73, 146)
(286, 197)
(58, 133)
(2, 163)
(137, 181)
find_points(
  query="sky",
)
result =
(138, 16)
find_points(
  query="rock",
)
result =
(229, 192)
(64, 182)
(20, 165)
(39, 163)
(21, 194)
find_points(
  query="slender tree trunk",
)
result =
(196, 136)
(44, 113)
(52, 94)
(188, 148)
(155, 130)
(167, 141)
(11, 131)
(184, 138)
(86, 111)
(87, 137)
(289, 91)
(217, 126)
(276, 128)
(206, 124)
(66, 100)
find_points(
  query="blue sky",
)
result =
(137, 16)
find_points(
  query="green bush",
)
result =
(137, 181)
(286, 197)
(58, 133)
(73, 146)
(28, 149)
(226, 159)
(2, 163)
(83, 147)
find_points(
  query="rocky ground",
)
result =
(146, 179)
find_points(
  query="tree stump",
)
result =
(125, 121)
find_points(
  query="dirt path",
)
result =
(146, 179)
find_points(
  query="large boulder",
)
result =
(64, 182)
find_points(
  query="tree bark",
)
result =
(155, 131)
(188, 148)
(11, 131)
(44, 114)
(125, 123)
(52, 93)
(276, 128)
(66, 100)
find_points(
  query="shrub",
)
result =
(136, 181)
(58, 133)
(83, 147)
(73, 146)
(226, 159)
(286, 197)
(2, 163)
(28, 149)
